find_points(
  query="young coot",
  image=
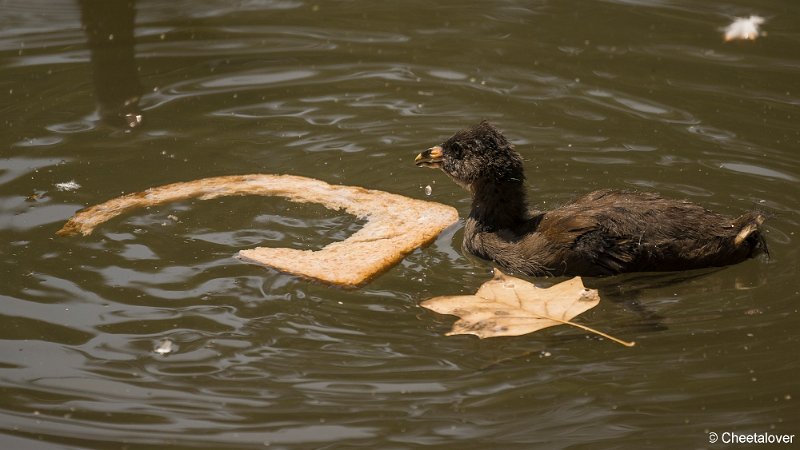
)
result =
(604, 232)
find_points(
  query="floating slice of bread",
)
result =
(396, 225)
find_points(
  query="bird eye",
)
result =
(455, 150)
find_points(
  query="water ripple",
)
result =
(753, 169)
(349, 93)
(638, 107)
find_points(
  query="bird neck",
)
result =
(499, 205)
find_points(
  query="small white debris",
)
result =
(70, 185)
(172, 217)
(428, 190)
(165, 346)
(744, 28)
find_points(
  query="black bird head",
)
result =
(476, 155)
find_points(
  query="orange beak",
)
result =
(431, 157)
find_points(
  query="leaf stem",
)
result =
(592, 330)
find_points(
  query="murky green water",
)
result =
(638, 95)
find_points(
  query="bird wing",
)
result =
(584, 243)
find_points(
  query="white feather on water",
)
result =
(70, 185)
(744, 28)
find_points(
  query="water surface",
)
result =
(623, 94)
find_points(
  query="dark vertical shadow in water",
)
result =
(109, 27)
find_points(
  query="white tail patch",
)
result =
(748, 229)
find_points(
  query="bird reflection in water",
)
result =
(109, 27)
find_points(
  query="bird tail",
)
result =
(750, 233)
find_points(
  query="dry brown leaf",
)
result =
(396, 225)
(509, 306)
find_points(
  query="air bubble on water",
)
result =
(428, 190)
(165, 346)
